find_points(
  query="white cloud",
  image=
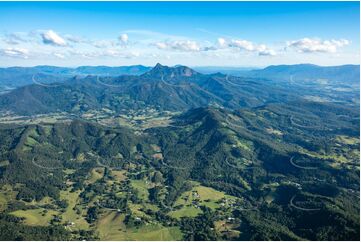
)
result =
(141, 45)
(179, 45)
(246, 45)
(15, 52)
(59, 55)
(242, 44)
(308, 45)
(52, 38)
(118, 53)
(123, 38)
(161, 45)
(14, 38)
(103, 43)
(110, 52)
(263, 50)
(221, 42)
(75, 39)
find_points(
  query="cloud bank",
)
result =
(179, 45)
(43, 45)
(15, 52)
(307, 45)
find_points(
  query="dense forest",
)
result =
(259, 164)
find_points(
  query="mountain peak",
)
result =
(166, 71)
(158, 65)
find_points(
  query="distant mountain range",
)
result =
(13, 77)
(308, 72)
(164, 88)
(19, 76)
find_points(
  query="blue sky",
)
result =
(189, 33)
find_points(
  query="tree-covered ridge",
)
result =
(273, 173)
(165, 89)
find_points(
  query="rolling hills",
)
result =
(175, 154)
(164, 88)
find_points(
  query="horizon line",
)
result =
(192, 66)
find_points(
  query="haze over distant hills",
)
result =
(18, 76)
(24, 75)
(167, 88)
(309, 72)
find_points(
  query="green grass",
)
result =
(347, 140)
(142, 188)
(111, 227)
(69, 171)
(185, 212)
(209, 193)
(47, 129)
(204, 193)
(207, 196)
(337, 158)
(31, 138)
(242, 143)
(96, 174)
(270, 197)
(43, 201)
(34, 217)
(119, 175)
(33, 132)
(156, 232)
(136, 210)
(70, 214)
(3, 202)
(150, 206)
(211, 204)
(7, 194)
(245, 184)
(4, 163)
(155, 148)
(30, 141)
(223, 227)
(273, 131)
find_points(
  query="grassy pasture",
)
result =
(34, 217)
(111, 227)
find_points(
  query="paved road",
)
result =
(44, 167)
(303, 126)
(346, 116)
(173, 167)
(232, 83)
(302, 167)
(106, 166)
(191, 85)
(110, 209)
(42, 84)
(175, 85)
(300, 208)
(105, 84)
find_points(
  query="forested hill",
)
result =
(264, 156)
(174, 154)
(164, 88)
